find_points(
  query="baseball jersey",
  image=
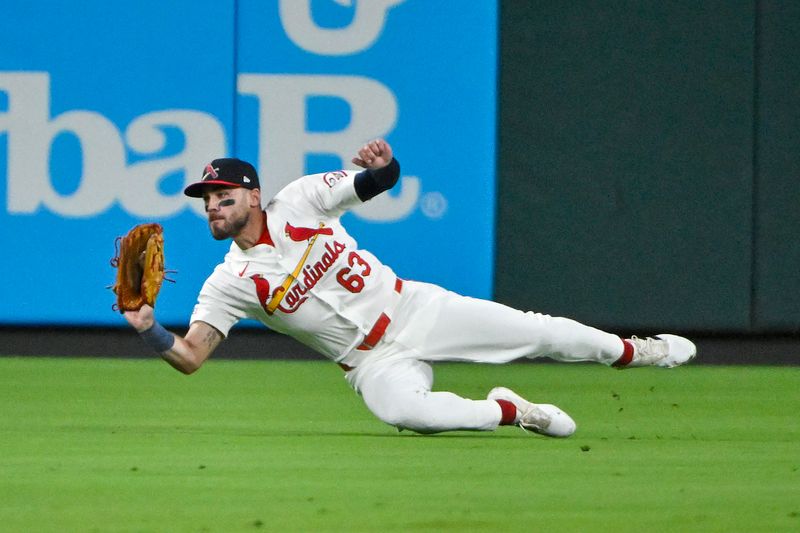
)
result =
(340, 290)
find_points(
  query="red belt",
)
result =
(378, 329)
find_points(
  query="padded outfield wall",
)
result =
(648, 172)
(649, 164)
(108, 109)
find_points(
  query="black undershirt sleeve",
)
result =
(370, 183)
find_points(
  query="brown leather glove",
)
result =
(140, 267)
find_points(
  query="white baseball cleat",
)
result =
(541, 418)
(663, 350)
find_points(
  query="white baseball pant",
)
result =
(431, 324)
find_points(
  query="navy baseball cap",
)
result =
(226, 172)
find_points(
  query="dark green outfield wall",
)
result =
(777, 199)
(649, 164)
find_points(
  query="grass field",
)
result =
(132, 445)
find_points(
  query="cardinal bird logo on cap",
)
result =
(210, 173)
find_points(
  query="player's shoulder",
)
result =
(224, 273)
(217, 280)
(313, 183)
(223, 266)
(327, 193)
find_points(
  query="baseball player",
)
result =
(293, 267)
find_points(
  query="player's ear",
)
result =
(255, 197)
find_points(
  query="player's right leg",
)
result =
(445, 326)
(663, 350)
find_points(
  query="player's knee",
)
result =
(409, 413)
(395, 415)
(419, 422)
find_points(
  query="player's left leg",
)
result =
(398, 391)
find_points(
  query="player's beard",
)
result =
(228, 228)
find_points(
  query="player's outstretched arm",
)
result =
(185, 354)
(190, 352)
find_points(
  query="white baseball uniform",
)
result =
(350, 307)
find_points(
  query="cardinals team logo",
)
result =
(266, 298)
(304, 234)
(210, 173)
(262, 289)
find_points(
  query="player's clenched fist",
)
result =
(374, 155)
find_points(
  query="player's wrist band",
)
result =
(158, 338)
(370, 183)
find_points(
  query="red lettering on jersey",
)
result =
(297, 293)
(312, 274)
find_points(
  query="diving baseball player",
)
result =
(294, 267)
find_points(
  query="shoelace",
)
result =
(538, 427)
(650, 348)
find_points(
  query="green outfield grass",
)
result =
(132, 445)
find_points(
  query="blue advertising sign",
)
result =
(108, 111)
